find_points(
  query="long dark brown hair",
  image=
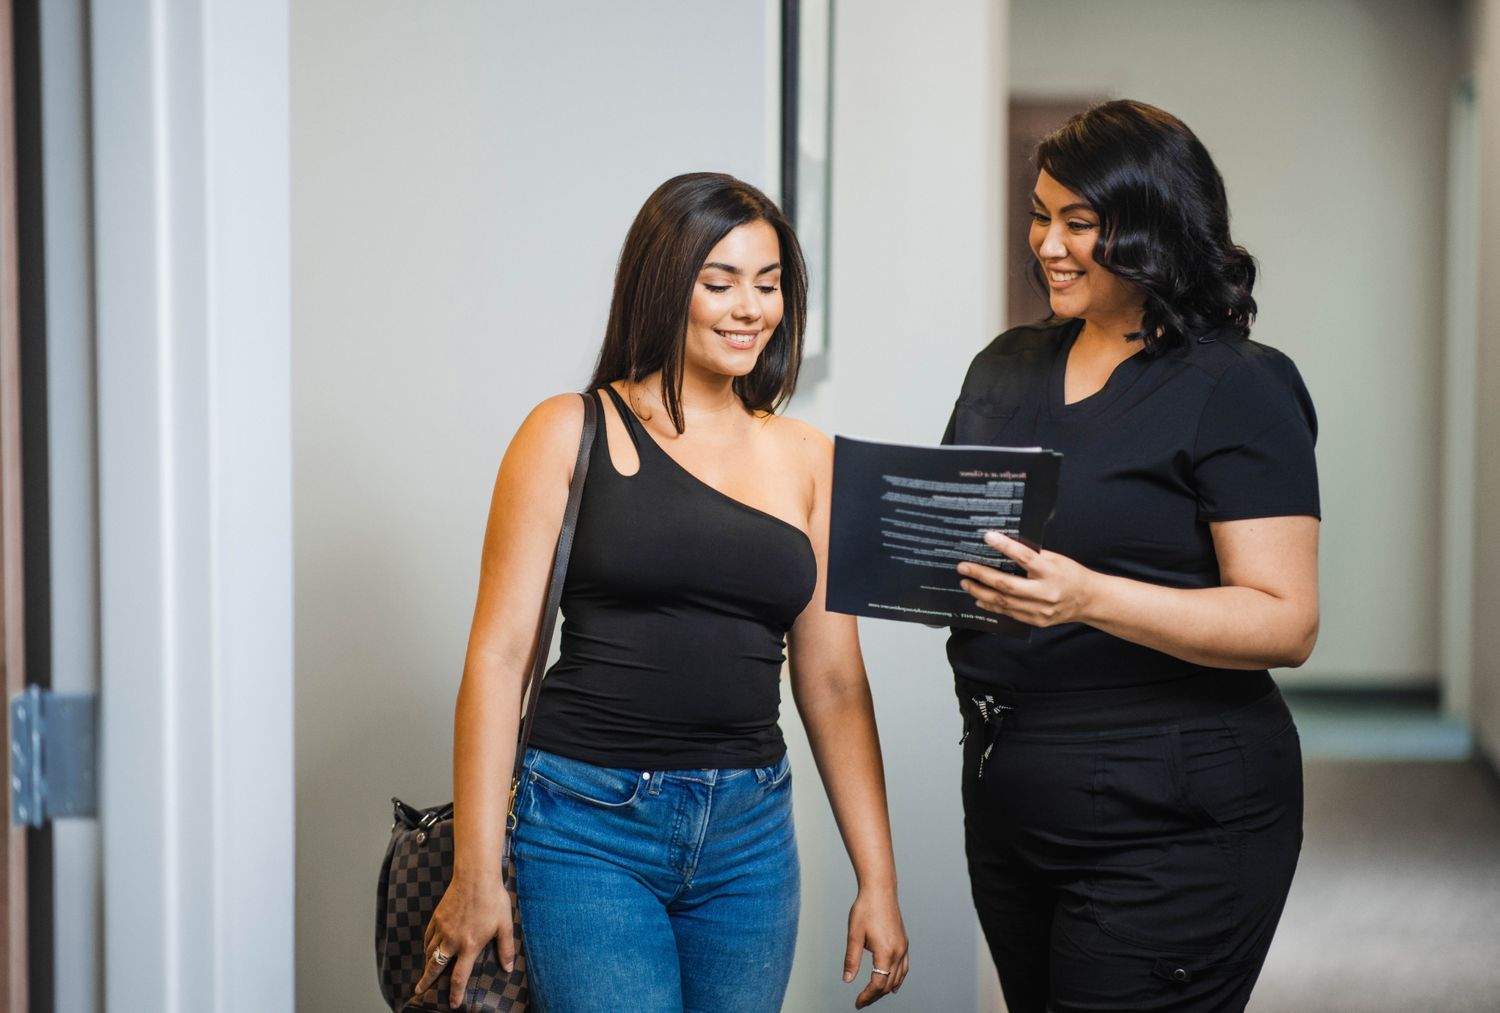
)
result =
(664, 251)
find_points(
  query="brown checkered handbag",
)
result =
(418, 865)
(419, 860)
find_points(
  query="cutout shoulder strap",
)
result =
(627, 416)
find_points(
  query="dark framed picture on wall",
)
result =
(806, 136)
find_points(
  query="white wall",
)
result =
(919, 110)
(1329, 122)
(462, 179)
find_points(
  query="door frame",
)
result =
(1460, 404)
(191, 133)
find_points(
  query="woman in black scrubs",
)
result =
(1132, 780)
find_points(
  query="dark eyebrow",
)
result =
(731, 269)
(1065, 209)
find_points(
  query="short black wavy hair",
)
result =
(1163, 217)
(664, 251)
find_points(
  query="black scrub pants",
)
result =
(1124, 863)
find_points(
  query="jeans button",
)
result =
(1181, 974)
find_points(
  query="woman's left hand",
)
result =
(1055, 589)
(875, 925)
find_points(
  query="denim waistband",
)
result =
(699, 775)
(716, 775)
(1197, 700)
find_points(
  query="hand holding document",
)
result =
(905, 516)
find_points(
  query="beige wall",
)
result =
(1329, 121)
(1487, 508)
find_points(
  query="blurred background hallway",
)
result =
(1395, 903)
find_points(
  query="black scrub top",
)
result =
(1221, 429)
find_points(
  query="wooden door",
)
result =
(13, 906)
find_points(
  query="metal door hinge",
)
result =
(53, 752)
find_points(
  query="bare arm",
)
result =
(832, 696)
(526, 513)
(1264, 614)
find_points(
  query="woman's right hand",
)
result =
(875, 925)
(470, 914)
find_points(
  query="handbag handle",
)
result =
(554, 600)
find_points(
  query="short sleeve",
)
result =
(1253, 456)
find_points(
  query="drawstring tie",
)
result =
(992, 715)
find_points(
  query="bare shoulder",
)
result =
(802, 441)
(550, 430)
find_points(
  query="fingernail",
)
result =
(510, 966)
(848, 976)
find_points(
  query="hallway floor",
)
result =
(1396, 905)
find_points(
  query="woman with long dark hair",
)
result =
(655, 859)
(1132, 780)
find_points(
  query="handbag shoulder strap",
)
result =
(559, 576)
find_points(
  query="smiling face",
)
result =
(737, 302)
(1064, 230)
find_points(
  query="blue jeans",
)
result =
(656, 891)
